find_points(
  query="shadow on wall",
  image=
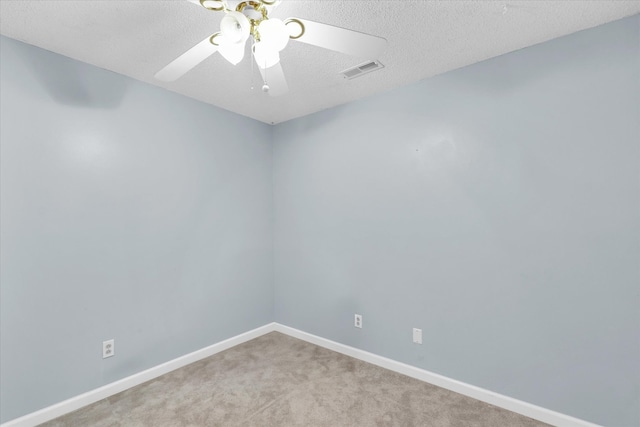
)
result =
(73, 83)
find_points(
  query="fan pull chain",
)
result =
(251, 59)
(265, 87)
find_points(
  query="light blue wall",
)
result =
(127, 212)
(497, 207)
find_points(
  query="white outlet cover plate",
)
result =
(358, 321)
(108, 348)
(417, 336)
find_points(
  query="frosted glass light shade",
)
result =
(232, 52)
(265, 57)
(274, 33)
(235, 27)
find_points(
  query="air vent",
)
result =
(361, 69)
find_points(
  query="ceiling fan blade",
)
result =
(335, 38)
(188, 60)
(274, 77)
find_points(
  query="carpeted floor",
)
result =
(276, 380)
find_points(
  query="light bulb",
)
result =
(274, 33)
(265, 57)
(235, 27)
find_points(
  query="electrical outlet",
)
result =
(417, 336)
(357, 322)
(108, 348)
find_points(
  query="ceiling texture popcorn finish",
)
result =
(425, 38)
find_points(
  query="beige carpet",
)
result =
(276, 380)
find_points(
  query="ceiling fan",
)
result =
(249, 20)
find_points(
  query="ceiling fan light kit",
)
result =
(274, 33)
(265, 56)
(250, 19)
(232, 52)
(235, 27)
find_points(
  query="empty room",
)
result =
(319, 213)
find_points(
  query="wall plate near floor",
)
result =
(417, 336)
(357, 321)
(108, 348)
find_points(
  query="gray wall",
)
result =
(128, 212)
(497, 207)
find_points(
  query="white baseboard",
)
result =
(527, 409)
(77, 402)
(514, 405)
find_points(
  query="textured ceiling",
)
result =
(139, 37)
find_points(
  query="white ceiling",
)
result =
(139, 37)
